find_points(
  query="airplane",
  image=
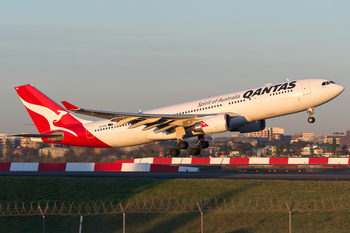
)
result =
(243, 111)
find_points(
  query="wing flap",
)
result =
(144, 122)
(161, 129)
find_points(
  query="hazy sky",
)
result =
(131, 55)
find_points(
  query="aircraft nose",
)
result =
(340, 88)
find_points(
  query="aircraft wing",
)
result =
(161, 121)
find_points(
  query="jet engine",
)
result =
(223, 122)
(214, 124)
(251, 127)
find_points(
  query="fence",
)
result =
(333, 203)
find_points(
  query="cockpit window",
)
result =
(327, 83)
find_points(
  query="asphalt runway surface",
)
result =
(197, 175)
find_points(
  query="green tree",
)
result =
(312, 153)
(334, 146)
(225, 149)
(287, 148)
(7, 148)
(299, 144)
(243, 147)
(260, 145)
(344, 150)
(280, 148)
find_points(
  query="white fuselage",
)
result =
(255, 104)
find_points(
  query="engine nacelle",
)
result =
(252, 126)
(214, 124)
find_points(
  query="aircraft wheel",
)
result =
(195, 151)
(174, 152)
(204, 144)
(311, 119)
(182, 145)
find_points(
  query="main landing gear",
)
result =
(183, 145)
(200, 144)
(180, 145)
(311, 111)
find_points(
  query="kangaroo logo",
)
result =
(49, 115)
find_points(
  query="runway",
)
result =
(335, 176)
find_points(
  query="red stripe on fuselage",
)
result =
(80, 140)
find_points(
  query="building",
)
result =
(268, 132)
(306, 137)
(307, 150)
(8, 143)
(329, 138)
(54, 152)
(345, 140)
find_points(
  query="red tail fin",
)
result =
(45, 113)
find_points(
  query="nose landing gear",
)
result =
(311, 111)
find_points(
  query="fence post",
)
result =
(124, 211)
(43, 214)
(202, 220)
(81, 224)
(290, 216)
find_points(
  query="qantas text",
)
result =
(267, 90)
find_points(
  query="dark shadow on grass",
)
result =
(243, 230)
(72, 188)
(185, 218)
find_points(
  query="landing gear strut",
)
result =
(311, 111)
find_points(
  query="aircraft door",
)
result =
(257, 99)
(306, 88)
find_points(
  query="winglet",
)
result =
(69, 106)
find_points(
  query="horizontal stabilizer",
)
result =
(69, 106)
(36, 135)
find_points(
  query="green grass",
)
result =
(86, 189)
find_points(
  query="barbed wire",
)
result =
(328, 203)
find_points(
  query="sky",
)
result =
(129, 55)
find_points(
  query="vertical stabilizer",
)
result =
(45, 113)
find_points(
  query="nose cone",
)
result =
(336, 89)
(339, 89)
